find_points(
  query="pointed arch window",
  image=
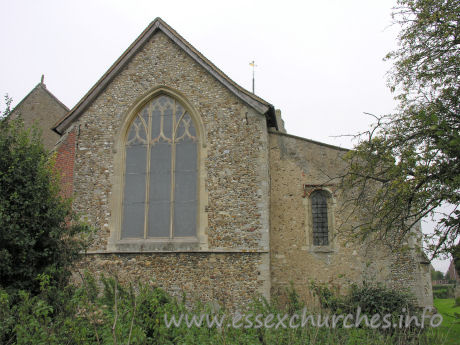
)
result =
(320, 222)
(161, 171)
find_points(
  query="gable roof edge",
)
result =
(158, 24)
(43, 87)
(106, 78)
(251, 99)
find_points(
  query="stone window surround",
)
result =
(115, 243)
(331, 203)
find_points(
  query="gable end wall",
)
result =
(39, 107)
(236, 180)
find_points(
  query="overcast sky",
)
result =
(320, 62)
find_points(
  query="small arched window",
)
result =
(320, 222)
(161, 171)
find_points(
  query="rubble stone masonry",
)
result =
(235, 179)
(297, 167)
(42, 108)
(255, 219)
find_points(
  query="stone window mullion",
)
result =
(165, 204)
(173, 174)
(147, 175)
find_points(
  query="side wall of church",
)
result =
(235, 265)
(298, 167)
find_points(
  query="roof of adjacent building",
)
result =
(42, 86)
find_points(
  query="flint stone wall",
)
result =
(236, 177)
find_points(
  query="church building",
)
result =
(194, 185)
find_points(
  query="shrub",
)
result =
(443, 291)
(38, 231)
(371, 299)
(107, 312)
(377, 299)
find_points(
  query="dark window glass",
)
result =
(160, 191)
(319, 216)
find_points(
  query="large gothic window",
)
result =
(320, 221)
(160, 181)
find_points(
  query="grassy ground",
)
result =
(451, 324)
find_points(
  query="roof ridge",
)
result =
(310, 140)
(223, 74)
(42, 86)
(158, 24)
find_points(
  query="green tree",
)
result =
(456, 257)
(437, 275)
(39, 236)
(7, 110)
(408, 164)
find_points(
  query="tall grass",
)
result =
(102, 311)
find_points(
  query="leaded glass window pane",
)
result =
(160, 190)
(185, 192)
(161, 173)
(135, 179)
(320, 218)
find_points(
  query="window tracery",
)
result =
(160, 180)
